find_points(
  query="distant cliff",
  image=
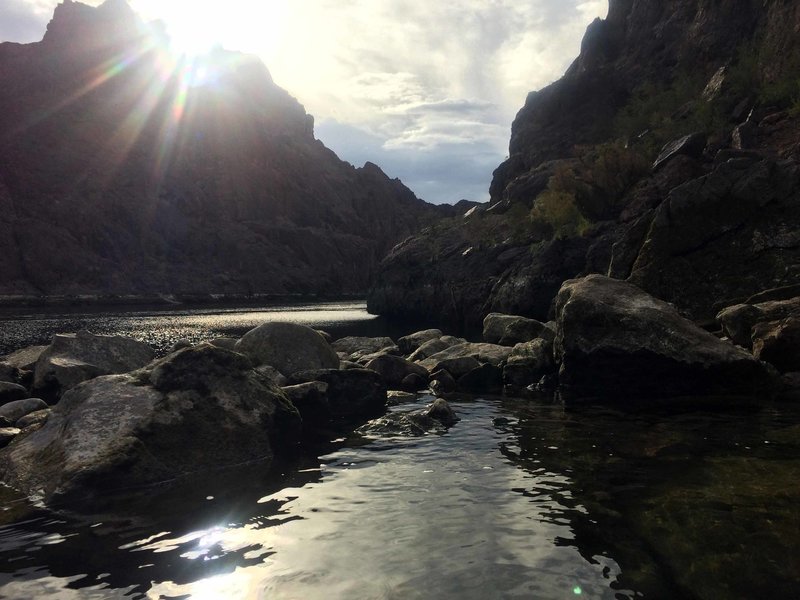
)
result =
(124, 170)
(590, 185)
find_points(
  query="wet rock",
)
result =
(38, 417)
(414, 382)
(410, 343)
(14, 411)
(442, 382)
(436, 417)
(394, 369)
(691, 145)
(195, 410)
(484, 378)
(395, 397)
(7, 434)
(778, 343)
(9, 392)
(616, 341)
(353, 394)
(507, 330)
(528, 363)
(289, 347)
(73, 358)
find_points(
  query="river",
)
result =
(519, 499)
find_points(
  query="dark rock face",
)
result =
(739, 321)
(617, 342)
(200, 408)
(288, 347)
(191, 180)
(778, 343)
(9, 392)
(709, 226)
(75, 357)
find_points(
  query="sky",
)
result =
(426, 90)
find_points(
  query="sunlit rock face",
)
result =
(126, 169)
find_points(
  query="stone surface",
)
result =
(35, 418)
(73, 358)
(507, 330)
(14, 411)
(485, 353)
(690, 145)
(410, 343)
(288, 347)
(199, 409)
(311, 400)
(484, 378)
(24, 359)
(353, 394)
(528, 363)
(228, 343)
(433, 346)
(617, 342)
(7, 434)
(394, 369)
(357, 347)
(9, 392)
(739, 321)
(437, 417)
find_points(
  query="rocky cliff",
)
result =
(667, 155)
(124, 169)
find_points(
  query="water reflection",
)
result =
(521, 499)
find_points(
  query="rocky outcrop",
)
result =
(201, 408)
(75, 357)
(631, 166)
(617, 342)
(738, 322)
(154, 177)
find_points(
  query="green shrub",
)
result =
(555, 214)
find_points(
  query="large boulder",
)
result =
(394, 369)
(528, 363)
(196, 410)
(507, 330)
(288, 347)
(25, 358)
(433, 346)
(484, 353)
(616, 341)
(73, 358)
(14, 411)
(9, 392)
(411, 342)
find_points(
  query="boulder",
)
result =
(615, 341)
(739, 321)
(8, 373)
(690, 145)
(9, 392)
(457, 366)
(414, 382)
(353, 394)
(73, 358)
(507, 330)
(482, 379)
(778, 343)
(14, 411)
(196, 410)
(528, 363)
(24, 359)
(356, 347)
(394, 369)
(311, 400)
(442, 382)
(431, 347)
(228, 343)
(288, 347)
(179, 345)
(411, 342)
(484, 353)
(271, 373)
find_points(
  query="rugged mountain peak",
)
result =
(75, 22)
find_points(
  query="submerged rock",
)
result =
(76, 357)
(288, 347)
(616, 341)
(199, 409)
(436, 417)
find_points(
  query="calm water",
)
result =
(162, 328)
(520, 499)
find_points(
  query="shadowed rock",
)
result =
(288, 347)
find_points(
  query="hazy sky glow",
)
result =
(427, 90)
